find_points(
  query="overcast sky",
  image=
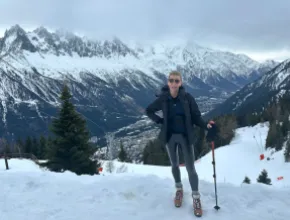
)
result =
(260, 28)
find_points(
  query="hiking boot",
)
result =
(178, 197)
(197, 205)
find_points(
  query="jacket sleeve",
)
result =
(195, 113)
(152, 108)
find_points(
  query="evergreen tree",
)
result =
(155, 154)
(35, 147)
(42, 147)
(70, 149)
(271, 137)
(49, 145)
(200, 146)
(287, 151)
(263, 178)
(285, 127)
(20, 146)
(226, 129)
(4, 147)
(280, 139)
(278, 116)
(28, 145)
(247, 180)
(123, 157)
(7, 147)
(252, 119)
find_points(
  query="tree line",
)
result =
(38, 146)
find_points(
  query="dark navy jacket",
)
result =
(192, 115)
(176, 117)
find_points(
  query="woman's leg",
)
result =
(174, 160)
(189, 159)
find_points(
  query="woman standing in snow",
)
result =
(180, 113)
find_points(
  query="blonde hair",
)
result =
(175, 73)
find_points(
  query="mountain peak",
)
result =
(15, 40)
(15, 29)
(42, 31)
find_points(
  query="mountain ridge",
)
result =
(256, 96)
(110, 81)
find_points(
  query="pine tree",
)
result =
(48, 146)
(272, 133)
(42, 147)
(287, 151)
(278, 115)
(247, 180)
(200, 147)
(70, 148)
(28, 145)
(20, 146)
(35, 146)
(123, 157)
(226, 129)
(7, 147)
(155, 154)
(285, 124)
(263, 178)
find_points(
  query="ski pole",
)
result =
(214, 176)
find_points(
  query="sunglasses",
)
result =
(174, 80)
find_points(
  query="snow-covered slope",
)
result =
(109, 80)
(234, 161)
(145, 192)
(258, 94)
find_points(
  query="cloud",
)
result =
(259, 26)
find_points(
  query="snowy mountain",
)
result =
(111, 82)
(258, 94)
(136, 191)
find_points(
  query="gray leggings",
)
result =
(188, 153)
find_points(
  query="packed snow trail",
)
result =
(37, 194)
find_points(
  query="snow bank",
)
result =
(20, 165)
(146, 192)
(46, 195)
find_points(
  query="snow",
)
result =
(4, 111)
(281, 77)
(235, 161)
(146, 192)
(58, 66)
(138, 69)
(160, 56)
(8, 41)
(276, 78)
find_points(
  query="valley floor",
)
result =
(146, 192)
